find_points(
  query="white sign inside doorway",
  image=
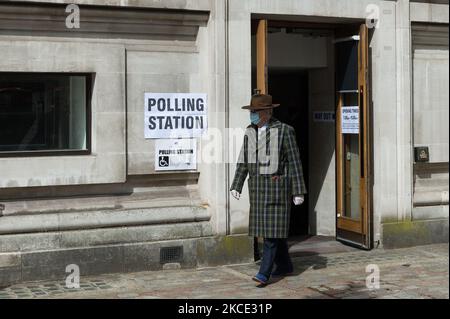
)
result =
(350, 120)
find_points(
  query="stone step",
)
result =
(161, 197)
(44, 222)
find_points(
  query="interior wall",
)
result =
(291, 50)
(77, 138)
(322, 177)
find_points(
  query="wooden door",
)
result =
(353, 220)
(261, 57)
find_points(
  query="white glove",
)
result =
(299, 199)
(235, 194)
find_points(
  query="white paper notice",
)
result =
(175, 115)
(350, 120)
(175, 154)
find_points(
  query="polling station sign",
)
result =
(175, 115)
(350, 120)
(175, 154)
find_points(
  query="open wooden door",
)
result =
(353, 220)
(262, 84)
(261, 56)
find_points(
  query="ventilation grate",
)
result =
(170, 254)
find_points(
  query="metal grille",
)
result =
(429, 36)
(170, 254)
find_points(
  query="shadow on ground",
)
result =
(311, 260)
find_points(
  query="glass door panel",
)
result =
(353, 192)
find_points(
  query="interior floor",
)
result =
(307, 245)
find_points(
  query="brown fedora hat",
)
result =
(260, 102)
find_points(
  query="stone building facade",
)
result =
(78, 180)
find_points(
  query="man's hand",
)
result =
(298, 199)
(235, 194)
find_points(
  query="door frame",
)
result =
(364, 225)
(356, 232)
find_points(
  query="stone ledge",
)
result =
(102, 236)
(414, 233)
(35, 223)
(9, 260)
(156, 4)
(122, 258)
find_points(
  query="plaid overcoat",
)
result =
(273, 179)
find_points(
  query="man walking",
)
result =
(271, 159)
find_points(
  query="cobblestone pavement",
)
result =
(417, 272)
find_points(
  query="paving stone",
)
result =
(326, 276)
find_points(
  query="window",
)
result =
(42, 113)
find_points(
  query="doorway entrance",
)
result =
(334, 116)
(290, 89)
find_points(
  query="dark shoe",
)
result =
(261, 279)
(282, 273)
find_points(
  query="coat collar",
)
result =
(274, 123)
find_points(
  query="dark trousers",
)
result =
(275, 252)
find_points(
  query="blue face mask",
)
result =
(254, 118)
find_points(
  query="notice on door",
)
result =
(324, 116)
(175, 154)
(175, 115)
(350, 120)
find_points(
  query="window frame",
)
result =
(63, 152)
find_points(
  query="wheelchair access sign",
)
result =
(175, 154)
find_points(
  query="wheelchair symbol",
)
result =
(163, 161)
